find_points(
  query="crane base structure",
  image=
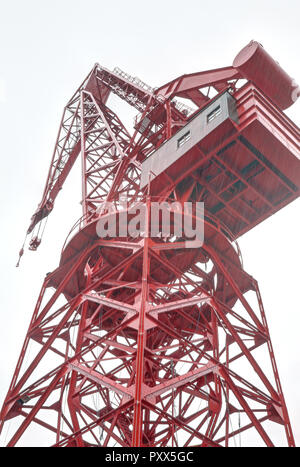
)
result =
(161, 340)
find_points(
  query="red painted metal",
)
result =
(143, 341)
(255, 64)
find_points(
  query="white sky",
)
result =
(47, 48)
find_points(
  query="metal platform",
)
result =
(241, 154)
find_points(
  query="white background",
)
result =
(47, 48)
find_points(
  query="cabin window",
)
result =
(183, 139)
(214, 114)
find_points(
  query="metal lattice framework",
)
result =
(143, 341)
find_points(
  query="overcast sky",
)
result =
(47, 48)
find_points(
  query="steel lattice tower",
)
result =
(143, 341)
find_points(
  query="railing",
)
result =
(133, 79)
(183, 108)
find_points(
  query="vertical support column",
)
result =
(73, 379)
(139, 379)
(169, 120)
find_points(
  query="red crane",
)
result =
(156, 341)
